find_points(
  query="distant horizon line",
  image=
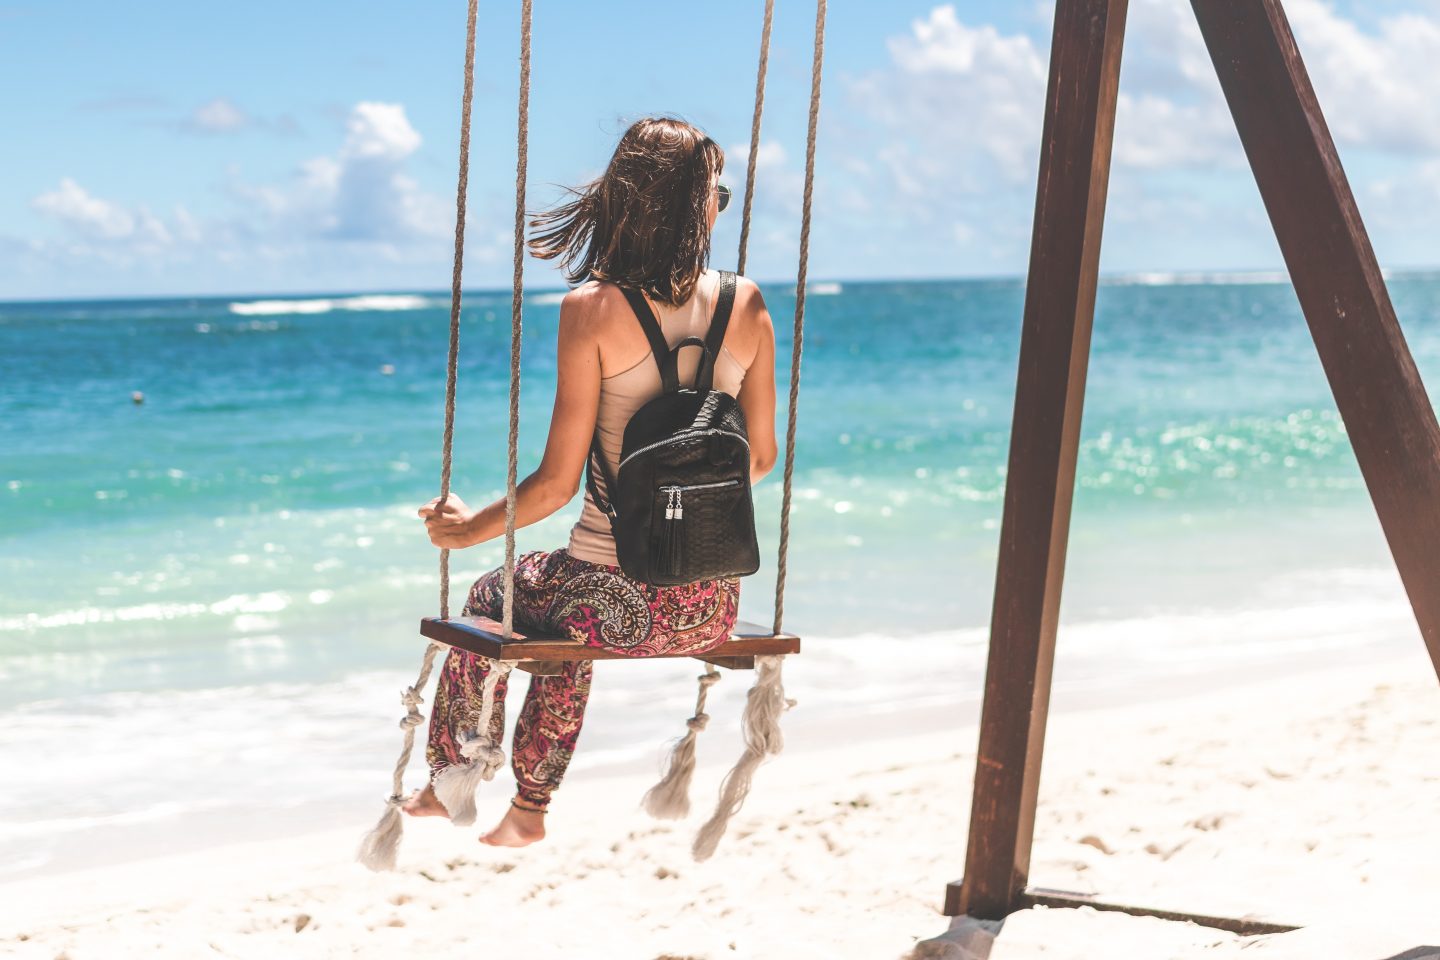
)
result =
(1122, 278)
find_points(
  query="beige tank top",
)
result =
(623, 393)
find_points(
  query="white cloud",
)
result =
(221, 116)
(368, 193)
(361, 193)
(102, 231)
(962, 88)
(379, 131)
(1378, 90)
(73, 205)
(98, 223)
(938, 150)
(359, 199)
(944, 44)
(217, 116)
(1170, 113)
(1155, 133)
(949, 131)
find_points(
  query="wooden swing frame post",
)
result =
(1376, 385)
(1050, 390)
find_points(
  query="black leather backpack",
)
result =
(680, 506)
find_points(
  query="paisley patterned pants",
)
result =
(594, 604)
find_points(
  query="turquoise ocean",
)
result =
(210, 599)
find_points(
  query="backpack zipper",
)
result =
(677, 488)
(697, 433)
(675, 496)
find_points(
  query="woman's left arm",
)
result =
(572, 424)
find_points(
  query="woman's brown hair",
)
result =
(643, 223)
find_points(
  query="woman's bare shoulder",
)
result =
(748, 296)
(750, 305)
(591, 306)
(590, 295)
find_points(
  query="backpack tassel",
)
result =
(672, 546)
(670, 798)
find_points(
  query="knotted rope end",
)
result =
(380, 847)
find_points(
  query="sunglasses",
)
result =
(724, 193)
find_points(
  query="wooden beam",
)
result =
(1050, 388)
(551, 668)
(1377, 387)
(1244, 926)
(731, 663)
(485, 636)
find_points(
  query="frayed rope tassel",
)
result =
(380, 846)
(456, 785)
(760, 725)
(670, 798)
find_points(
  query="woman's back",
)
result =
(625, 389)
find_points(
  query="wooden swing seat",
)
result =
(544, 655)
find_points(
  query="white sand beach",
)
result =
(1311, 799)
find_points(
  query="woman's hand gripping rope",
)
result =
(450, 526)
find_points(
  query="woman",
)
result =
(645, 224)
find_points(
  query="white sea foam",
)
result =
(262, 308)
(824, 289)
(374, 301)
(546, 299)
(1172, 279)
(387, 302)
(239, 604)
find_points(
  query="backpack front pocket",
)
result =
(693, 529)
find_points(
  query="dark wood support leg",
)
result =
(1377, 387)
(1389, 418)
(1054, 352)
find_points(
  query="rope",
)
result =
(816, 63)
(755, 135)
(447, 442)
(766, 700)
(522, 136)
(760, 726)
(670, 798)
(378, 849)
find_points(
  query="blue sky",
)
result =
(181, 148)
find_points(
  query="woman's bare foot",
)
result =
(520, 827)
(424, 803)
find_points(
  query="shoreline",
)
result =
(631, 724)
(887, 812)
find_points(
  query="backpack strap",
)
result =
(719, 323)
(659, 348)
(601, 501)
(723, 305)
